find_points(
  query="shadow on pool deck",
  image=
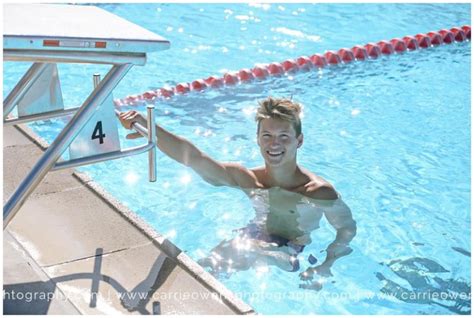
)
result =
(72, 249)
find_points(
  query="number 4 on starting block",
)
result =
(99, 135)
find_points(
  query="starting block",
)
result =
(47, 34)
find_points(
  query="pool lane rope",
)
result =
(305, 63)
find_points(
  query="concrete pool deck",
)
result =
(73, 249)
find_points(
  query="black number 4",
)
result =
(98, 133)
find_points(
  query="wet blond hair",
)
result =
(280, 108)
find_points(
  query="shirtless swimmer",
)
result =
(279, 136)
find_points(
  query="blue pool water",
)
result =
(392, 135)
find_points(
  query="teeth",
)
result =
(274, 153)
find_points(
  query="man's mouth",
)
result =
(275, 153)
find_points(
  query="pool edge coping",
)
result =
(170, 249)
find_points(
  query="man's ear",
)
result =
(300, 139)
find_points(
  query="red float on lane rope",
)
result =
(133, 97)
(411, 42)
(373, 50)
(423, 40)
(448, 36)
(398, 45)
(245, 75)
(332, 57)
(213, 81)
(182, 88)
(467, 30)
(435, 38)
(290, 66)
(166, 92)
(275, 69)
(230, 79)
(304, 63)
(260, 72)
(346, 55)
(149, 95)
(386, 47)
(360, 52)
(318, 60)
(459, 34)
(198, 85)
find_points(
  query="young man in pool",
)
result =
(287, 195)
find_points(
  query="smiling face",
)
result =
(278, 141)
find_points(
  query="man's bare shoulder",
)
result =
(243, 176)
(258, 170)
(317, 187)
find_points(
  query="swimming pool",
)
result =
(391, 134)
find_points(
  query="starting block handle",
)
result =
(149, 147)
(150, 134)
(150, 109)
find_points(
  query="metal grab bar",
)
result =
(62, 141)
(152, 139)
(138, 127)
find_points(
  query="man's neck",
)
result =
(285, 176)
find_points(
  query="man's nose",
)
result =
(274, 142)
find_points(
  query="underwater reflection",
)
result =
(426, 286)
(281, 229)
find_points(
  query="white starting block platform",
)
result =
(71, 27)
(47, 34)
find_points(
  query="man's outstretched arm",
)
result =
(185, 152)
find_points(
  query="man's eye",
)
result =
(284, 136)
